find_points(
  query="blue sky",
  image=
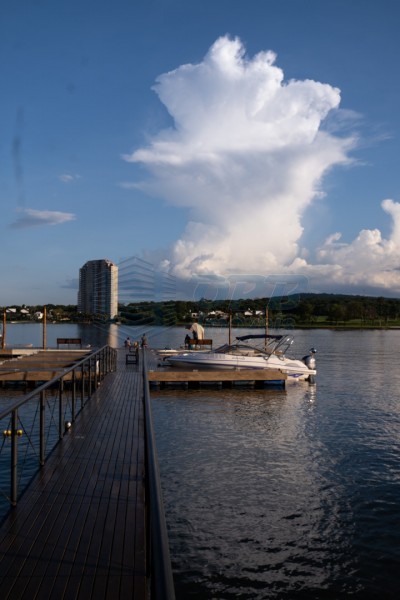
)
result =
(218, 140)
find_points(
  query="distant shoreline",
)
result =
(234, 326)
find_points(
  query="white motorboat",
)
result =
(242, 355)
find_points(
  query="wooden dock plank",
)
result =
(79, 530)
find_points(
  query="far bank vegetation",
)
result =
(301, 310)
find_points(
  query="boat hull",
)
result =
(294, 369)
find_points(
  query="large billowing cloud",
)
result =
(247, 155)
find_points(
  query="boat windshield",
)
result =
(244, 349)
(262, 344)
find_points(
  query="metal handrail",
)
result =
(162, 582)
(104, 362)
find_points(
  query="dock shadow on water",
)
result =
(272, 494)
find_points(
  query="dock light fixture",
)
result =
(8, 432)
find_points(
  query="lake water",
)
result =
(286, 495)
(279, 495)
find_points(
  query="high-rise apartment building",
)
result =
(98, 288)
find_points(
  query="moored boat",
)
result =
(243, 355)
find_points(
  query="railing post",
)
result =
(82, 386)
(42, 408)
(90, 377)
(73, 401)
(60, 412)
(108, 356)
(14, 458)
(101, 365)
(96, 371)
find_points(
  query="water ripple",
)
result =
(290, 494)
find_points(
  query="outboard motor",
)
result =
(310, 362)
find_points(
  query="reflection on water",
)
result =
(288, 494)
(279, 495)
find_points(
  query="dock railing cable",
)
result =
(30, 431)
(162, 583)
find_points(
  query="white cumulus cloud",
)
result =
(369, 259)
(247, 155)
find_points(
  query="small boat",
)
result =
(243, 355)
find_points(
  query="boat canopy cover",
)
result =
(259, 336)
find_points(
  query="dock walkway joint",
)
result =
(79, 531)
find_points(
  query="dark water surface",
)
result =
(278, 495)
(292, 494)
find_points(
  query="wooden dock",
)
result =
(79, 531)
(159, 374)
(39, 365)
(267, 375)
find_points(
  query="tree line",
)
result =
(301, 310)
(307, 310)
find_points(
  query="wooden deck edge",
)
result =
(226, 375)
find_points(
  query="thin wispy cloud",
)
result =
(29, 217)
(129, 185)
(68, 178)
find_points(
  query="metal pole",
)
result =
(60, 411)
(14, 458)
(96, 371)
(44, 327)
(3, 340)
(42, 427)
(73, 395)
(82, 387)
(90, 378)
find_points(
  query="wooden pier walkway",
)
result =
(79, 531)
(82, 529)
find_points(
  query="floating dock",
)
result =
(37, 365)
(225, 378)
(162, 375)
